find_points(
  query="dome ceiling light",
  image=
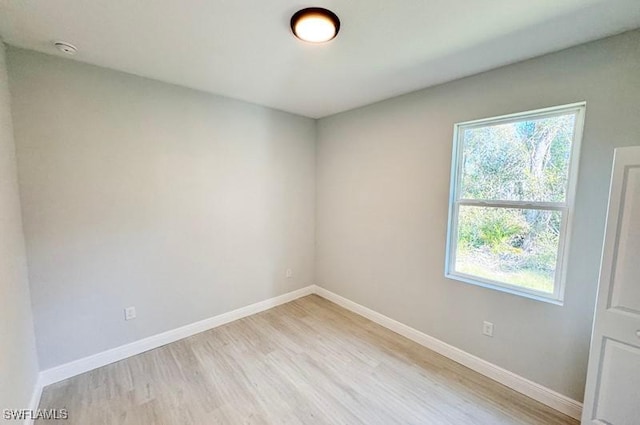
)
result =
(315, 25)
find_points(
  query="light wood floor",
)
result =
(305, 362)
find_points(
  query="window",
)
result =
(512, 187)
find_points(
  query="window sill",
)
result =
(509, 290)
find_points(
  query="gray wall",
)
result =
(18, 360)
(382, 202)
(139, 193)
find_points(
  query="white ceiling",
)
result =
(244, 49)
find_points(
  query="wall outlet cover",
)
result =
(129, 313)
(487, 328)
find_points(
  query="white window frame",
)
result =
(566, 208)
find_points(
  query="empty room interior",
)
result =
(340, 212)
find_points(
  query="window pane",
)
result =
(523, 161)
(514, 246)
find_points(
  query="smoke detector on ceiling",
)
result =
(65, 47)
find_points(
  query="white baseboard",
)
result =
(76, 367)
(35, 399)
(529, 388)
(522, 385)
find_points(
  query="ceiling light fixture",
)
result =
(315, 25)
(65, 47)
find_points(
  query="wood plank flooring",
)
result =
(305, 362)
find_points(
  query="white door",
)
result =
(613, 380)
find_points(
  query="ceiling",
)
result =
(244, 49)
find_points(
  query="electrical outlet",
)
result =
(487, 328)
(289, 273)
(129, 313)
